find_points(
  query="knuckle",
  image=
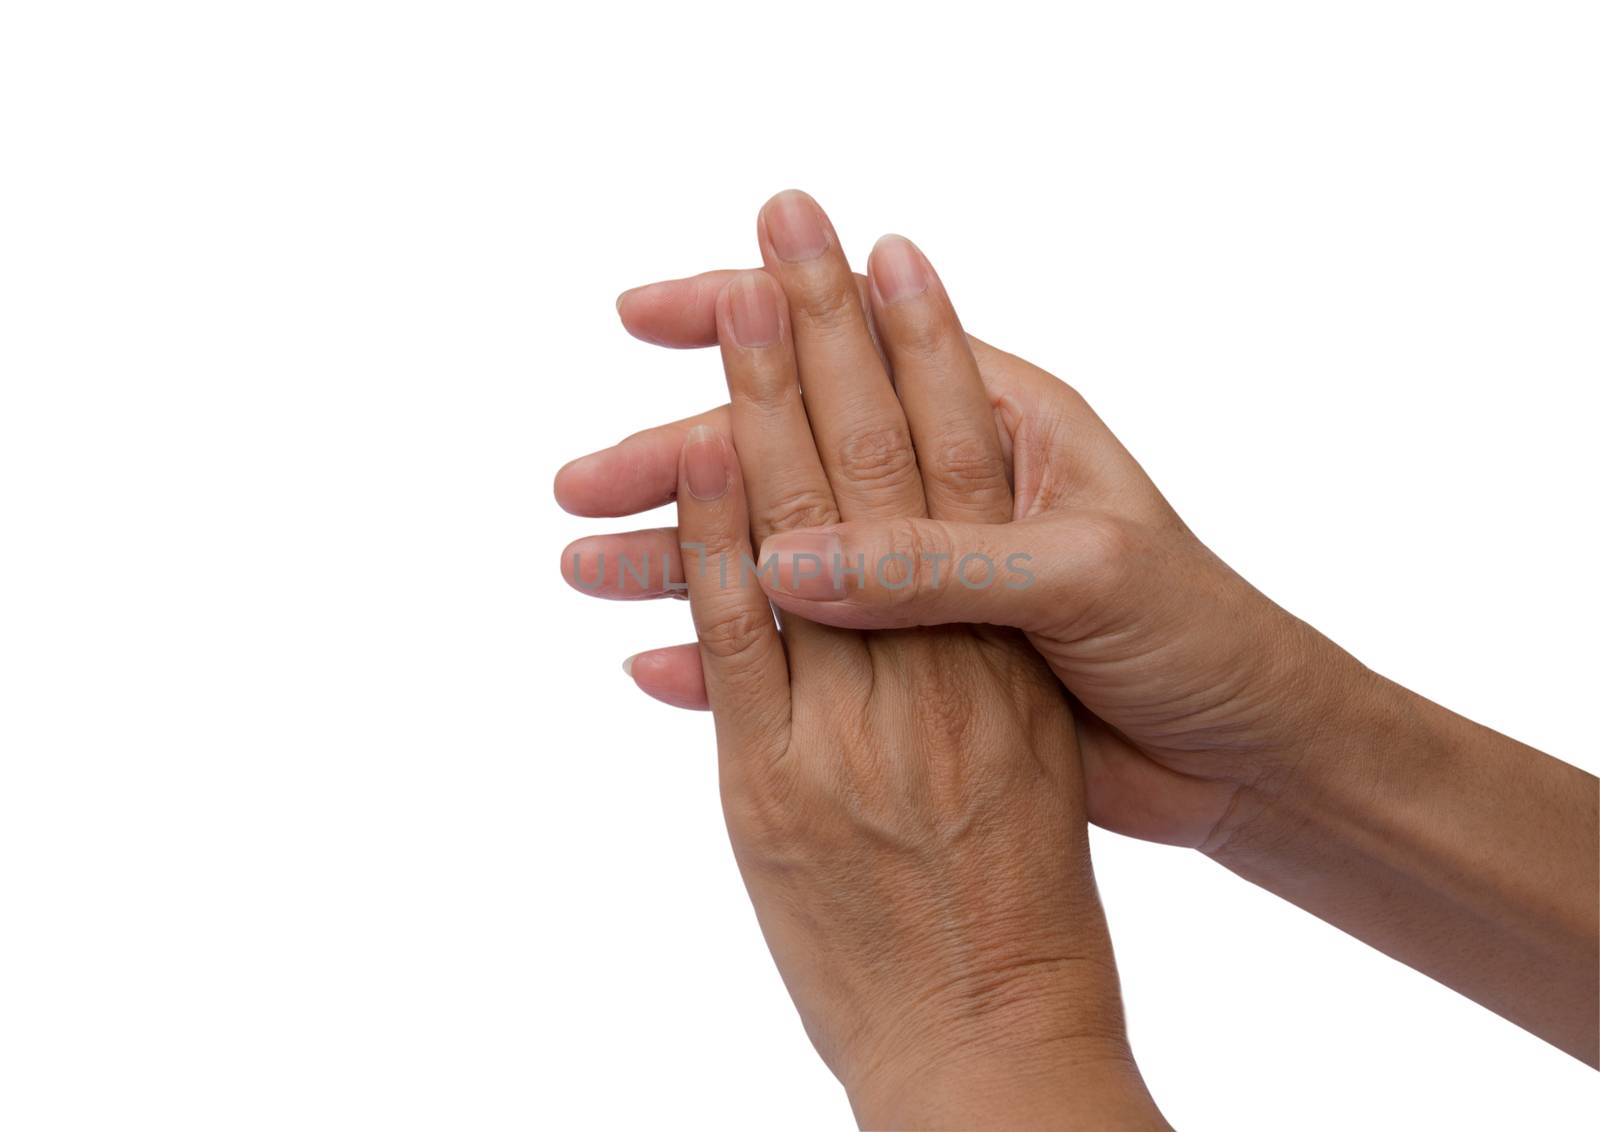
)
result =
(759, 807)
(715, 537)
(880, 455)
(797, 508)
(966, 466)
(765, 383)
(827, 304)
(1107, 547)
(920, 333)
(763, 800)
(736, 635)
(913, 556)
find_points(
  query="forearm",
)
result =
(1462, 853)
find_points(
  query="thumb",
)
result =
(895, 573)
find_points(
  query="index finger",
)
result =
(636, 474)
(681, 314)
(746, 672)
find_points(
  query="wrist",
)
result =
(1075, 1081)
(1338, 741)
(1326, 721)
(1049, 1050)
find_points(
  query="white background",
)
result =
(324, 804)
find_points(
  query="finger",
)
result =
(641, 472)
(637, 474)
(860, 430)
(671, 675)
(783, 477)
(678, 313)
(746, 674)
(949, 411)
(1032, 574)
(631, 566)
(682, 313)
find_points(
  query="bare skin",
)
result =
(906, 807)
(1206, 715)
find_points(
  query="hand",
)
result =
(1209, 717)
(1194, 684)
(906, 807)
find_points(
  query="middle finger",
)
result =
(860, 429)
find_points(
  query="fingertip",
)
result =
(898, 270)
(643, 314)
(705, 464)
(784, 197)
(750, 312)
(889, 239)
(581, 484)
(671, 675)
(722, 311)
(638, 314)
(566, 483)
(573, 555)
(723, 303)
(794, 227)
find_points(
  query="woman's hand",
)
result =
(906, 807)
(1209, 717)
(1194, 683)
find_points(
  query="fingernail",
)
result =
(898, 269)
(580, 462)
(704, 465)
(753, 304)
(635, 292)
(809, 564)
(795, 227)
(627, 665)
